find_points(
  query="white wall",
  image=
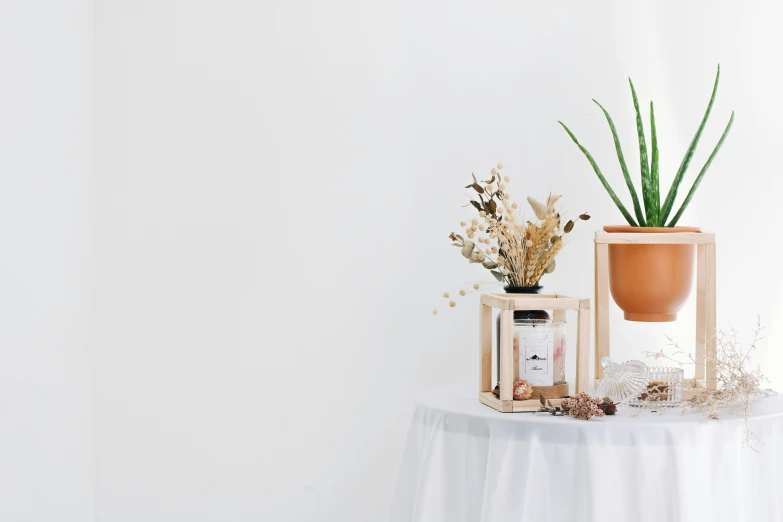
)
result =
(274, 186)
(46, 460)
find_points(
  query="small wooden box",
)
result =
(507, 303)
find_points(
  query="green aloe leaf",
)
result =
(601, 177)
(701, 173)
(644, 163)
(672, 195)
(636, 207)
(654, 202)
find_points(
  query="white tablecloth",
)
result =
(465, 462)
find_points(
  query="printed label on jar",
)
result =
(536, 349)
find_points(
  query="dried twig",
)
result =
(738, 382)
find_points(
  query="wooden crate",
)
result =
(705, 295)
(507, 303)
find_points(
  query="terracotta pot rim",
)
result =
(649, 230)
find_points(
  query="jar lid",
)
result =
(622, 381)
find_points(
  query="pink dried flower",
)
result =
(523, 390)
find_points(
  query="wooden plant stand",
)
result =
(507, 303)
(705, 295)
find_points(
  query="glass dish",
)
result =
(663, 388)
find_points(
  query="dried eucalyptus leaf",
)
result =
(584, 217)
(498, 275)
(550, 267)
(456, 245)
(568, 227)
(478, 188)
(477, 205)
(541, 399)
(488, 263)
(467, 248)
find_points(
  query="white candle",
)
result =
(541, 352)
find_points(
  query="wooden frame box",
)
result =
(705, 294)
(507, 303)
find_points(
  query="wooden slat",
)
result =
(583, 351)
(497, 301)
(546, 303)
(506, 355)
(601, 306)
(711, 312)
(490, 400)
(485, 348)
(701, 310)
(530, 302)
(641, 238)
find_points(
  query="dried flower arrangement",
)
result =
(738, 382)
(516, 252)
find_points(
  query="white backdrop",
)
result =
(46, 100)
(274, 184)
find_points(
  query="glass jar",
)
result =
(519, 317)
(540, 349)
(663, 388)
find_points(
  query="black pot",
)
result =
(519, 315)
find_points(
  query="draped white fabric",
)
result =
(466, 462)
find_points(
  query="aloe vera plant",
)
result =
(655, 214)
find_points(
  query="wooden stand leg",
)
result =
(711, 312)
(601, 306)
(701, 312)
(583, 347)
(485, 348)
(506, 360)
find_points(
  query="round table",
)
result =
(467, 462)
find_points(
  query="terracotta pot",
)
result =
(651, 283)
